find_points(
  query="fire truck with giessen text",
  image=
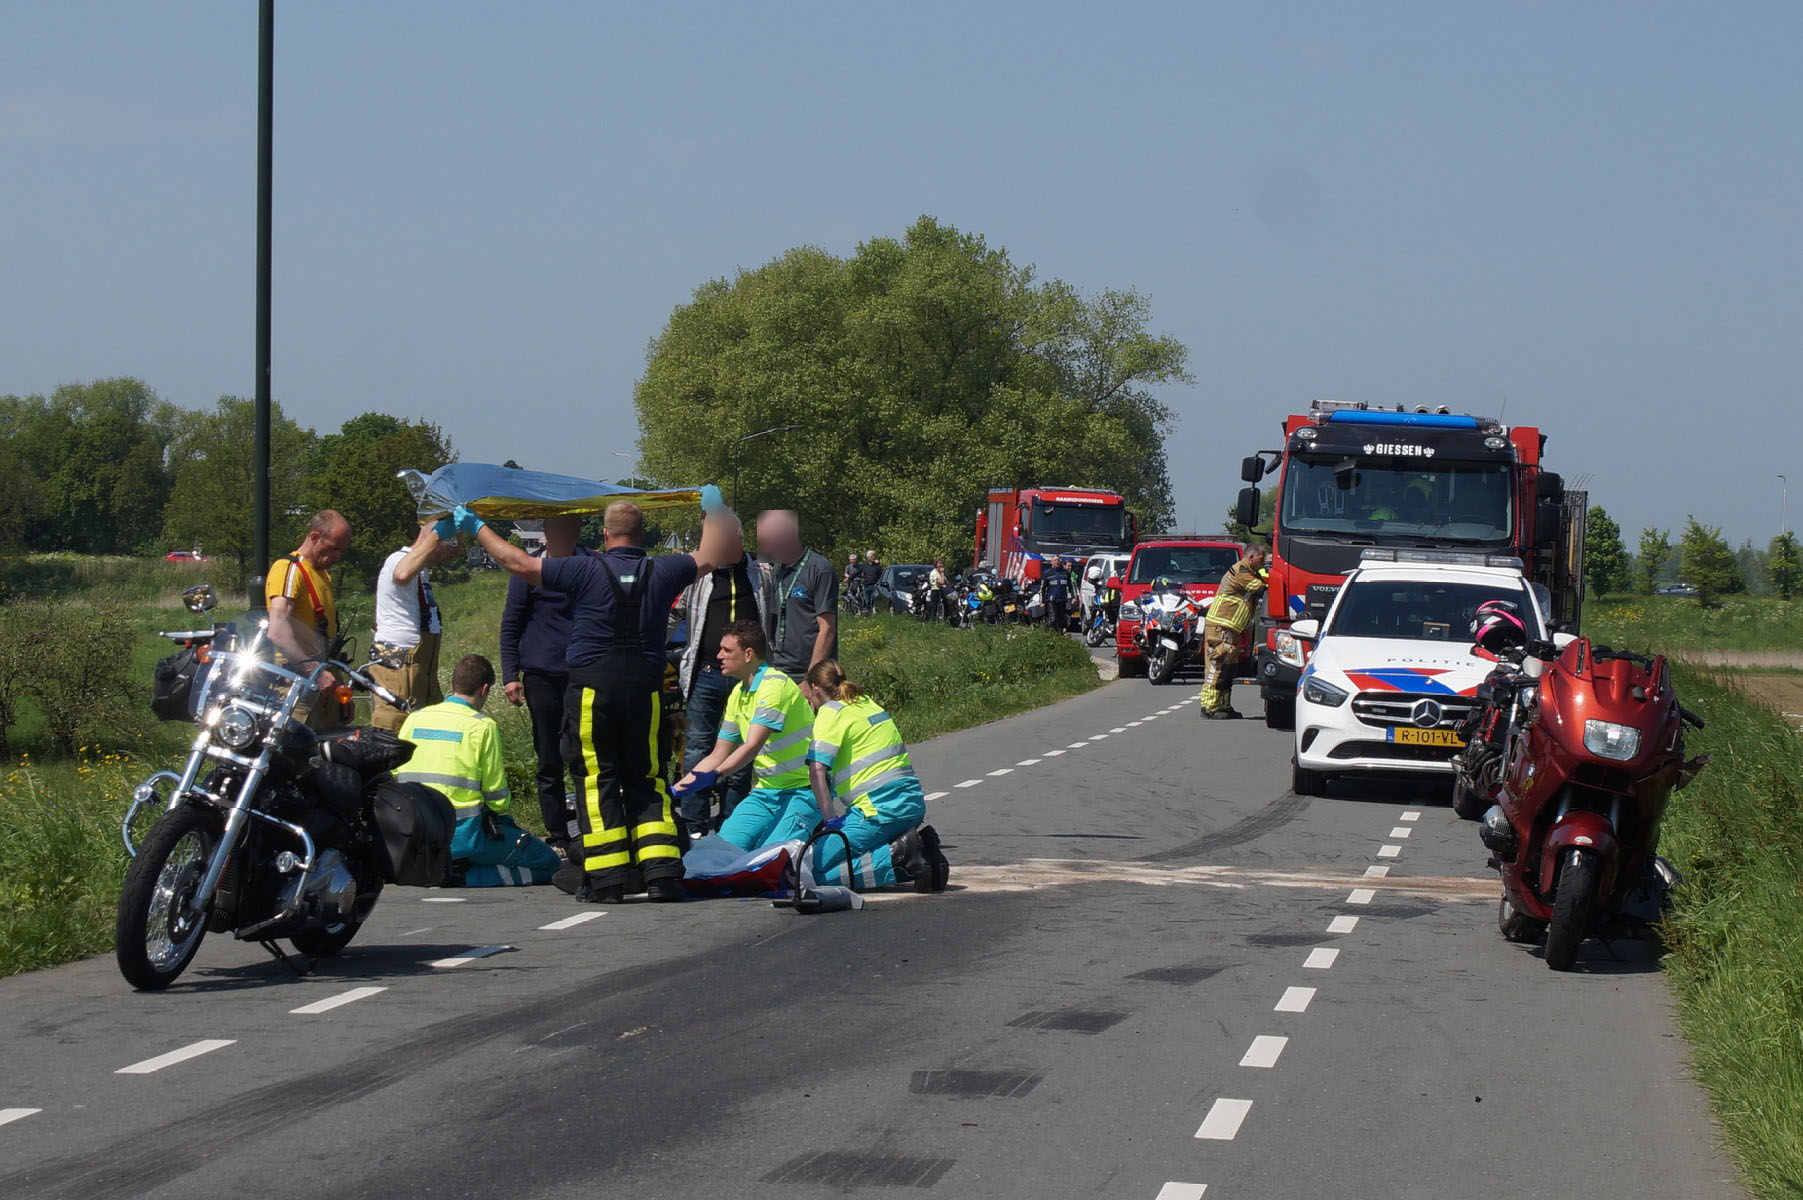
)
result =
(1352, 477)
(1021, 527)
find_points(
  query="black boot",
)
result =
(940, 868)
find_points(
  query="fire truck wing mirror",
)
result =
(1246, 510)
(1252, 469)
(1551, 487)
(1549, 522)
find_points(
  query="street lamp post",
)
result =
(1783, 505)
(260, 436)
(750, 437)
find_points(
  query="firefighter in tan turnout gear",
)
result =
(1229, 614)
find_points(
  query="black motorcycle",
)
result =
(271, 830)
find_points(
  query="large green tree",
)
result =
(1706, 562)
(1783, 566)
(1605, 558)
(354, 471)
(210, 504)
(1650, 558)
(917, 373)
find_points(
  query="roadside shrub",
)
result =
(80, 674)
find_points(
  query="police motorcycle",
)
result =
(1170, 633)
(270, 830)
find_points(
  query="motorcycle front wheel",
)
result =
(154, 935)
(1467, 805)
(1573, 908)
(1093, 636)
(1161, 665)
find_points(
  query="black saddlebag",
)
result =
(416, 824)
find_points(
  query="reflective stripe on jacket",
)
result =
(774, 701)
(1232, 607)
(861, 749)
(458, 751)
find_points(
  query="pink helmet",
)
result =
(1496, 626)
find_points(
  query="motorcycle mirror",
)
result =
(1562, 640)
(1113, 583)
(1308, 628)
(201, 598)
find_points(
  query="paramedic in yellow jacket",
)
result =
(1229, 614)
(858, 758)
(767, 726)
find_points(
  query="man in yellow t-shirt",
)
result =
(303, 613)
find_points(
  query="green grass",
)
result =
(1735, 939)
(1680, 626)
(61, 860)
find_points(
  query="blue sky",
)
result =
(1587, 213)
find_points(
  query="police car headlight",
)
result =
(1289, 648)
(1317, 691)
(1606, 739)
(237, 728)
(1130, 610)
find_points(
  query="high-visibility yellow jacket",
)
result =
(863, 752)
(458, 751)
(774, 701)
(1232, 607)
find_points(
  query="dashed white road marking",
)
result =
(932, 796)
(1076, 745)
(442, 899)
(338, 1001)
(467, 957)
(1411, 816)
(578, 919)
(1156, 715)
(1054, 753)
(1342, 924)
(1360, 895)
(1377, 871)
(1294, 999)
(1388, 851)
(1000, 771)
(1132, 724)
(1182, 1191)
(1118, 729)
(1100, 737)
(1264, 1051)
(1320, 958)
(151, 1065)
(1027, 762)
(1222, 1124)
(9, 1115)
(1401, 831)
(968, 783)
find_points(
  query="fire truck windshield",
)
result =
(1079, 524)
(1439, 502)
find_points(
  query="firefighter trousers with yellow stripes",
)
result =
(611, 736)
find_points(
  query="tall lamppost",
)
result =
(259, 539)
(1783, 505)
(750, 437)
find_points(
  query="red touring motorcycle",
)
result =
(1576, 824)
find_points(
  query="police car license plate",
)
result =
(1402, 735)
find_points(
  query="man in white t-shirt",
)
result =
(403, 655)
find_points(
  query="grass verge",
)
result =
(1754, 624)
(1735, 938)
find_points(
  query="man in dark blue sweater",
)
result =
(535, 631)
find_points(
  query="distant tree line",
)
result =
(109, 467)
(1701, 557)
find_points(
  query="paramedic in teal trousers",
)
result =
(857, 757)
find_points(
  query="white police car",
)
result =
(1391, 673)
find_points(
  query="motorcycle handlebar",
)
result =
(369, 685)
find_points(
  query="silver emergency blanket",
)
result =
(505, 492)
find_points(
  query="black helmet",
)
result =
(1164, 583)
(1497, 626)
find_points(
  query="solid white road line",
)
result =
(572, 922)
(968, 783)
(442, 899)
(1401, 831)
(467, 957)
(1342, 925)
(1222, 1123)
(1027, 762)
(1360, 896)
(1295, 999)
(1377, 871)
(1182, 1191)
(1264, 1051)
(150, 1065)
(932, 796)
(338, 1001)
(9, 1115)
(1000, 771)
(1411, 816)
(1320, 958)
(1388, 851)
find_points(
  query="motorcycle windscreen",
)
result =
(511, 494)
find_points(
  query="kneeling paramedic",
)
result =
(457, 750)
(767, 724)
(857, 754)
(619, 601)
(1229, 613)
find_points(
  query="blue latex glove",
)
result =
(467, 521)
(446, 529)
(833, 824)
(711, 500)
(703, 781)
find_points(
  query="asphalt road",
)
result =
(1157, 972)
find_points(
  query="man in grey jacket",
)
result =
(710, 605)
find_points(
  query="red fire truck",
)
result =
(1350, 477)
(1020, 527)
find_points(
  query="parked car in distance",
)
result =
(1113, 566)
(184, 556)
(1391, 674)
(1675, 589)
(895, 587)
